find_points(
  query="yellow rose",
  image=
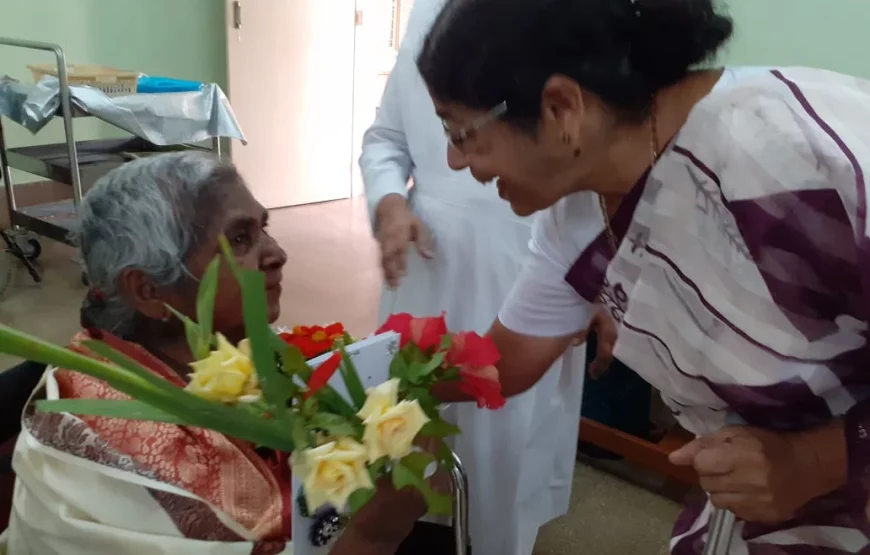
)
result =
(331, 472)
(227, 375)
(390, 426)
(380, 399)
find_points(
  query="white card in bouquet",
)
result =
(372, 357)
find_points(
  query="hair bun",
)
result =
(671, 37)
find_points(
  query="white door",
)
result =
(290, 68)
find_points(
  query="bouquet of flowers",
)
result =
(264, 391)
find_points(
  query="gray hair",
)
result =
(148, 215)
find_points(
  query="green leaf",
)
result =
(450, 374)
(377, 469)
(335, 425)
(445, 456)
(205, 298)
(300, 435)
(351, 380)
(426, 400)
(399, 368)
(417, 462)
(274, 384)
(418, 370)
(196, 339)
(332, 401)
(438, 504)
(413, 353)
(446, 342)
(293, 361)
(438, 427)
(158, 393)
(359, 498)
(131, 410)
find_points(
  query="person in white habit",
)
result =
(450, 244)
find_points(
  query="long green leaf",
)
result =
(160, 394)
(205, 297)
(193, 332)
(130, 410)
(351, 380)
(258, 332)
(254, 304)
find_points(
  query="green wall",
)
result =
(832, 34)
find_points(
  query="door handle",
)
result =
(237, 15)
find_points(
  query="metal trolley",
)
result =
(78, 164)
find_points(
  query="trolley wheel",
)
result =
(30, 247)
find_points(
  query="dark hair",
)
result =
(480, 53)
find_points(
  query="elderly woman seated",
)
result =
(97, 485)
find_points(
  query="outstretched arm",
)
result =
(542, 315)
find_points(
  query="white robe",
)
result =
(520, 459)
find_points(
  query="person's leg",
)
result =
(619, 399)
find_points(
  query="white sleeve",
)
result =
(386, 162)
(541, 303)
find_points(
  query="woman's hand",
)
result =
(396, 227)
(605, 330)
(765, 476)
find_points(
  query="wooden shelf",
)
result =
(645, 454)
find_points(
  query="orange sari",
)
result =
(254, 490)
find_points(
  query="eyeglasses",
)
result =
(457, 138)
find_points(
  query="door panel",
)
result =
(290, 69)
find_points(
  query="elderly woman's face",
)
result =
(243, 221)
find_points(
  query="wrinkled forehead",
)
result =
(237, 202)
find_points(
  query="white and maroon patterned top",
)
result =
(743, 281)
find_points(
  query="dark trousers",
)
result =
(619, 399)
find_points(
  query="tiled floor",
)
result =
(332, 275)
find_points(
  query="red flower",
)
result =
(322, 374)
(483, 385)
(476, 357)
(469, 349)
(313, 341)
(426, 333)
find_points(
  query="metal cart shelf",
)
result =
(78, 164)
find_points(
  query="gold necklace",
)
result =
(655, 152)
